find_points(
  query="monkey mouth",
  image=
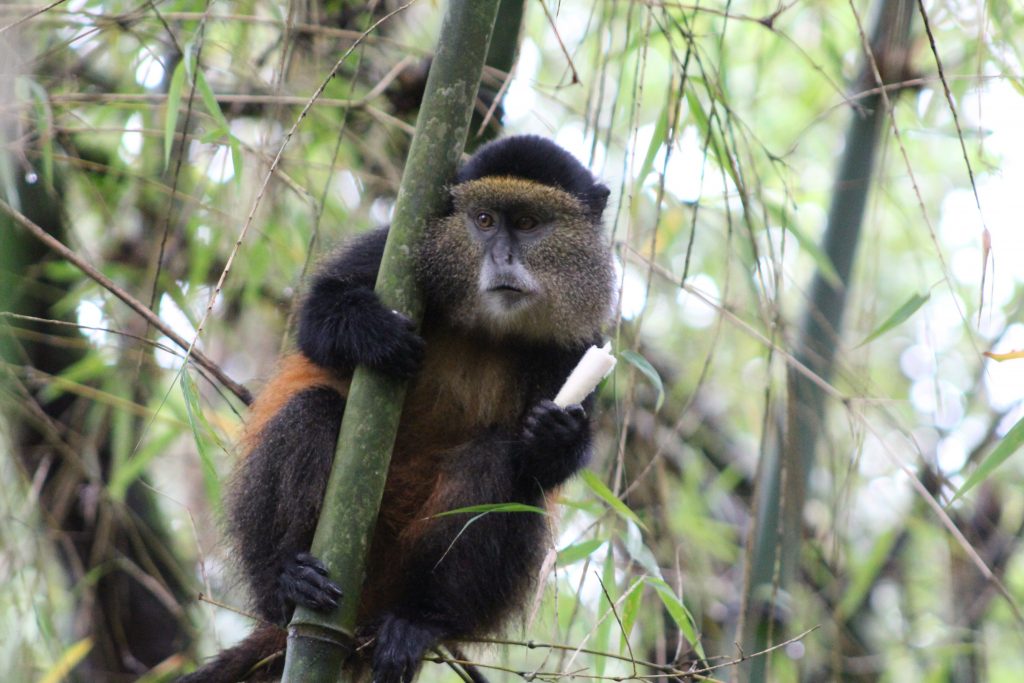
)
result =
(511, 289)
(506, 297)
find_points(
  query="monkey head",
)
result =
(522, 252)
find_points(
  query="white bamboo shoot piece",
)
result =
(588, 373)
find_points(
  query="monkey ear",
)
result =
(598, 199)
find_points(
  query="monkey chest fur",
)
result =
(465, 391)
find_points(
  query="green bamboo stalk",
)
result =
(784, 475)
(501, 55)
(318, 643)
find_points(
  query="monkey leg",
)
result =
(274, 501)
(464, 572)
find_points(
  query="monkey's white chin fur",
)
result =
(514, 314)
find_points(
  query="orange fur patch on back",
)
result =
(295, 373)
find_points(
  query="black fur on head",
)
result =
(540, 160)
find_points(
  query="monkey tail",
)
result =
(238, 663)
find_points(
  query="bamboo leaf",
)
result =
(44, 118)
(605, 494)
(1000, 357)
(483, 509)
(210, 100)
(863, 576)
(706, 126)
(132, 468)
(578, 551)
(236, 158)
(648, 371)
(173, 106)
(899, 316)
(633, 541)
(657, 141)
(69, 659)
(629, 612)
(821, 259)
(602, 635)
(204, 437)
(1007, 447)
(678, 611)
(492, 507)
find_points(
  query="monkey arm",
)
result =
(343, 324)
(274, 500)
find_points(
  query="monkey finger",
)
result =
(546, 405)
(576, 411)
(323, 584)
(314, 597)
(311, 561)
(304, 581)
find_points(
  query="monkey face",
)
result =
(518, 258)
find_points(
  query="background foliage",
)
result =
(140, 134)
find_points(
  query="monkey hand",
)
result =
(400, 645)
(550, 428)
(554, 443)
(356, 329)
(303, 581)
(391, 344)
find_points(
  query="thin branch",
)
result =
(622, 627)
(558, 37)
(58, 247)
(986, 238)
(668, 671)
(28, 17)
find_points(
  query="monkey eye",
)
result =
(484, 220)
(526, 223)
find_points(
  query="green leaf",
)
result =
(864, 575)
(236, 158)
(43, 123)
(492, 507)
(67, 661)
(10, 187)
(214, 135)
(602, 635)
(483, 510)
(605, 494)
(44, 119)
(92, 366)
(210, 100)
(657, 141)
(821, 259)
(677, 610)
(902, 313)
(173, 289)
(629, 611)
(204, 437)
(578, 551)
(173, 106)
(123, 436)
(648, 371)
(1007, 447)
(707, 128)
(132, 468)
(633, 541)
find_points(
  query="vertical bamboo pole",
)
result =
(783, 477)
(318, 643)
